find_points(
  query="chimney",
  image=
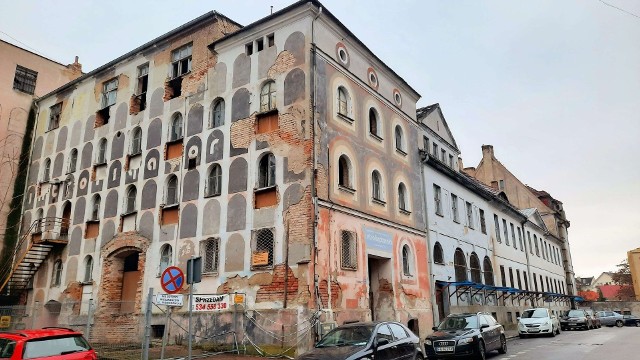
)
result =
(76, 68)
(487, 151)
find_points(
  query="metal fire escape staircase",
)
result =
(32, 250)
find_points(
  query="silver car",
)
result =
(611, 318)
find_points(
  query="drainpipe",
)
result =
(314, 250)
(526, 252)
(432, 277)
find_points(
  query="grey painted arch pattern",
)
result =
(76, 241)
(111, 204)
(211, 218)
(240, 104)
(241, 70)
(295, 44)
(151, 164)
(215, 146)
(108, 232)
(83, 183)
(188, 221)
(237, 213)
(149, 192)
(193, 148)
(31, 197)
(219, 83)
(194, 120)
(239, 172)
(86, 156)
(33, 172)
(76, 134)
(294, 86)
(147, 224)
(156, 104)
(154, 133)
(191, 185)
(89, 131)
(118, 145)
(234, 253)
(80, 207)
(71, 268)
(62, 139)
(114, 176)
(121, 117)
(49, 143)
(37, 148)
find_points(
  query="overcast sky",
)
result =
(553, 85)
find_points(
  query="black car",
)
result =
(373, 340)
(576, 319)
(466, 335)
(631, 320)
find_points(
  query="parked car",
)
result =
(631, 320)
(466, 335)
(595, 319)
(47, 343)
(538, 321)
(379, 340)
(611, 318)
(576, 319)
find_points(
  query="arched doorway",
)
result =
(66, 220)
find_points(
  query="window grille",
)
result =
(25, 80)
(437, 197)
(109, 92)
(263, 248)
(349, 258)
(210, 250)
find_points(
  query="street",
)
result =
(597, 344)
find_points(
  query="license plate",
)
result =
(573, 324)
(444, 348)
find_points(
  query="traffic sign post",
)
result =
(172, 280)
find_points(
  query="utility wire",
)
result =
(617, 8)
(25, 45)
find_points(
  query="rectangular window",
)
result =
(526, 281)
(497, 224)
(248, 49)
(109, 92)
(506, 231)
(511, 277)
(535, 282)
(54, 116)
(451, 161)
(503, 276)
(437, 197)
(443, 155)
(425, 143)
(469, 215)
(271, 40)
(513, 235)
(181, 61)
(454, 208)
(530, 246)
(25, 80)
(501, 184)
(522, 247)
(535, 241)
(143, 84)
(435, 150)
(483, 224)
(349, 259)
(210, 252)
(519, 281)
(259, 45)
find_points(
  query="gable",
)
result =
(435, 121)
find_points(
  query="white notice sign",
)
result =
(210, 302)
(169, 299)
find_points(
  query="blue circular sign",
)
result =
(172, 280)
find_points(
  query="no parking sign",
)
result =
(172, 280)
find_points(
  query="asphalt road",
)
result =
(598, 344)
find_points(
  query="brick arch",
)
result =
(123, 315)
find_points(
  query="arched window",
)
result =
(476, 272)
(56, 277)
(46, 173)
(267, 171)
(263, 243)
(406, 260)
(214, 180)
(172, 190)
(438, 255)
(130, 205)
(399, 140)
(95, 207)
(73, 159)
(39, 221)
(136, 141)
(488, 271)
(88, 269)
(344, 172)
(343, 101)
(217, 115)
(376, 190)
(68, 187)
(402, 197)
(460, 265)
(101, 158)
(175, 130)
(268, 96)
(166, 254)
(373, 122)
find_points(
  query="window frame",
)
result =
(166, 257)
(46, 170)
(73, 161)
(268, 96)
(131, 200)
(376, 187)
(56, 276)
(407, 265)
(345, 172)
(172, 186)
(399, 139)
(403, 199)
(458, 268)
(101, 155)
(437, 198)
(348, 250)
(267, 171)
(180, 60)
(217, 113)
(136, 141)
(109, 93)
(454, 208)
(214, 181)
(438, 254)
(214, 267)
(25, 80)
(343, 102)
(88, 269)
(55, 112)
(176, 128)
(96, 203)
(469, 211)
(483, 222)
(255, 248)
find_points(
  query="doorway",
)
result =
(66, 220)
(380, 289)
(130, 279)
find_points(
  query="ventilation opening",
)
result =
(157, 331)
(102, 117)
(173, 88)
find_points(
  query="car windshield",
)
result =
(6, 348)
(459, 322)
(55, 346)
(535, 313)
(575, 313)
(352, 336)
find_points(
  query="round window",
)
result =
(397, 97)
(373, 78)
(342, 54)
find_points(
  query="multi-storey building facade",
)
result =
(486, 254)
(279, 152)
(24, 76)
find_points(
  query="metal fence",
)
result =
(126, 330)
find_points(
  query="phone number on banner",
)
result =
(210, 302)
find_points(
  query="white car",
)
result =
(538, 321)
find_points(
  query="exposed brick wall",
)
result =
(336, 294)
(276, 290)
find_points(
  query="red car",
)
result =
(47, 343)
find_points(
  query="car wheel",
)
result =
(522, 336)
(418, 357)
(503, 345)
(619, 323)
(637, 323)
(553, 332)
(482, 354)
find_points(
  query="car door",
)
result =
(491, 334)
(387, 351)
(607, 318)
(405, 347)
